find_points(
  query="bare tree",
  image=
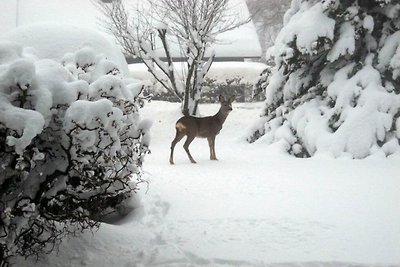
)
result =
(193, 25)
(268, 18)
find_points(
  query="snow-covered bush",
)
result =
(335, 84)
(212, 87)
(71, 146)
(235, 86)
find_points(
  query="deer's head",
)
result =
(226, 105)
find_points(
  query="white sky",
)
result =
(239, 42)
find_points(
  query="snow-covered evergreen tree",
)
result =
(335, 86)
(71, 145)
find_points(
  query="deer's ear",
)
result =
(221, 98)
(232, 98)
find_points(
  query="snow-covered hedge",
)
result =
(71, 145)
(335, 86)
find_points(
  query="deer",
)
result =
(203, 127)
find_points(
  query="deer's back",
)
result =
(200, 127)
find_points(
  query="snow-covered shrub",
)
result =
(213, 87)
(335, 84)
(230, 86)
(71, 146)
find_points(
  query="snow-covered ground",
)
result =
(253, 207)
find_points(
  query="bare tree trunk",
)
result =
(196, 104)
(185, 107)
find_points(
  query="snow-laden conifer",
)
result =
(335, 84)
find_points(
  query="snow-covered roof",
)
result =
(65, 38)
(241, 42)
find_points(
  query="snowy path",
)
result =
(253, 207)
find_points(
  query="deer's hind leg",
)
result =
(178, 137)
(189, 139)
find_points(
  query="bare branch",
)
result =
(193, 25)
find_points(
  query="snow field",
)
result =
(254, 207)
(256, 203)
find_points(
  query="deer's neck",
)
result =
(221, 116)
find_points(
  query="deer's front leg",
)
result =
(211, 144)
